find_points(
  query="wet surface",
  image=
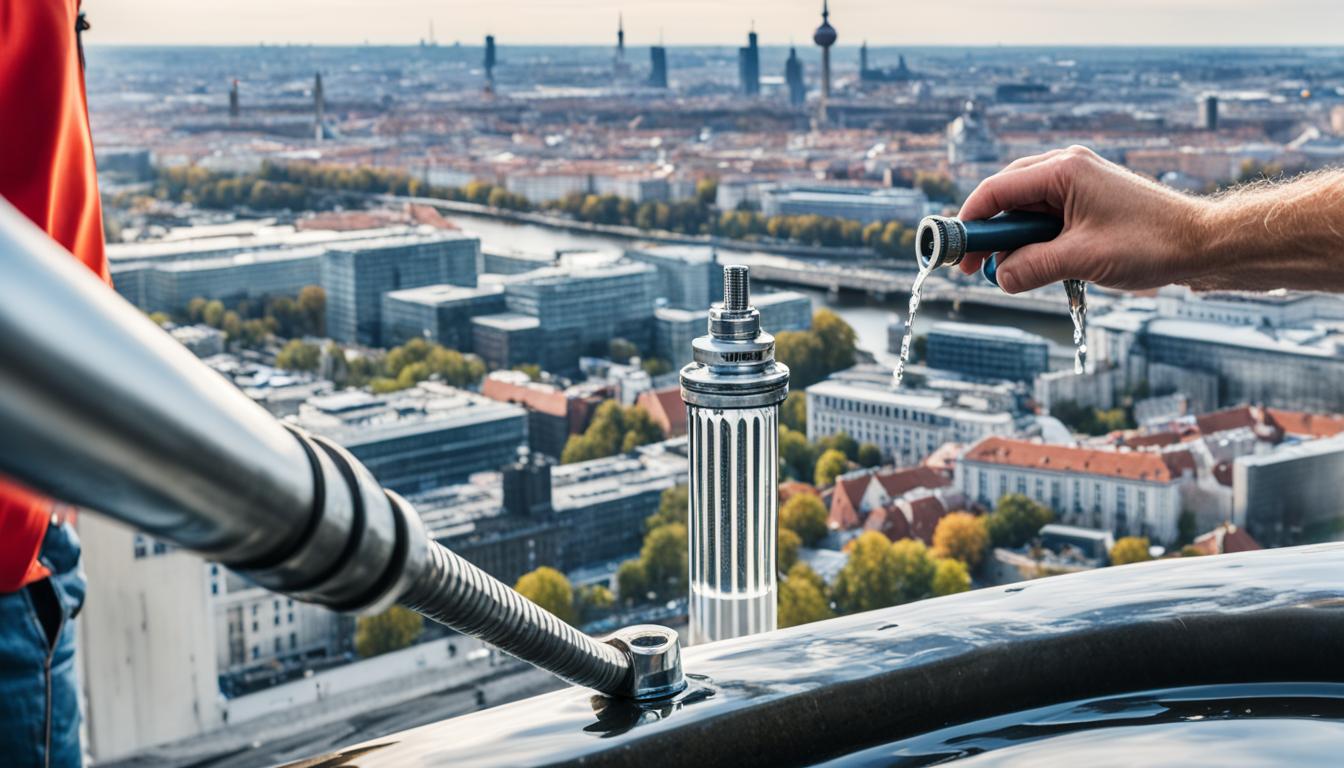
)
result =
(822, 691)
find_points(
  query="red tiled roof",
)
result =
(924, 516)
(538, 397)
(790, 488)
(1155, 440)
(1307, 424)
(666, 408)
(902, 481)
(888, 521)
(1221, 421)
(1224, 539)
(846, 498)
(1137, 465)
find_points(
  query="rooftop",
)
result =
(990, 331)
(655, 467)
(354, 417)
(443, 294)
(508, 321)
(916, 401)
(1129, 465)
(1316, 341)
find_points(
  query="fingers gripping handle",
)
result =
(1008, 232)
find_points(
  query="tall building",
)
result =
(689, 276)
(1210, 112)
(1291, 495)
(825, 37)
(168, 286)
(319, 107)
(657, 67)
(987, 351)
(489, 64)
(905, 426)
(419, 438)
(793, 77)
(620, 67)
(233, 99)
(749, 66)
(438, 313)
(969, 139)
(356, 275)
(1128, 492)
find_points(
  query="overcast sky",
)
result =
(687, 22)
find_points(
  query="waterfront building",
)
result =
(783, 311)
(438, 313)
(498, 263)
(356, 275)
(1132, 493)
(987, 351)
(689, 276)
(509, 339)
(419, 438)
(167, 286)
(865, 205)
(906, 426)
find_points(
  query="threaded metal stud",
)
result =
(736, 291)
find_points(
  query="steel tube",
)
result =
(101, 408)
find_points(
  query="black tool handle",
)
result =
(1012, 230)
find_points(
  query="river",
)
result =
(868, 317)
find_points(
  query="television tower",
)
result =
(319, 106)
(732, 393)
(489, 64)
(825, 37)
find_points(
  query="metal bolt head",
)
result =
(655, 660)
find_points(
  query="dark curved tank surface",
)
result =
(1128, 665)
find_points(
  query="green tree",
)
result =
(655, 366)
(1130, 549)
(842, 442)
(706, 191)
(950, 577)
(838, 340)
(961, 536)
(672, 508)
(869, 455)
(298, 355)
(614, 429)
(914, 569)
(532, 370)
(631, 584)
(313, 307)
(196, 309)
(212, 314)
(787, 553)
(621, 350)
(1016, 520)
(802, 597)
(805, 515)
(550, 589)
(870, 578)
(159, 318)
(391, 630)
(797, 455)
(664, 560)
(793, 412)
(831, 465)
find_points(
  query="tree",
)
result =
(914, 569)
(298, 355)
(196, 309)
(798, 457)
(1186, 527)
(961, 536)
(950, 577)
(532, 370)
(787, 552)
(313, 307)
(160, 318)
(391, 630)
(655, 366)
(793, 412)
(706, 191)
(631, 584)
(213, 313)
(802, 597)
(838, 340)
(1016, 520)
(869, 455)
(593, 602)
(842, 442)
(614, 429)
(622, 350)
(663, 558)
(673, 506)
(831, 465)
(1130, 549)
(869, 578)
(806, 516)
(550, 589)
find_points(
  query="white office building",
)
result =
(906, 426)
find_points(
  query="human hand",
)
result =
(1120, 229)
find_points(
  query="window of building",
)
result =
(293, 641)
(291, 617)
(254, 626)
(277, 645)
(256, 652)
(1022, 485)
(140, 546)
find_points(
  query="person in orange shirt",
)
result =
(47, 172)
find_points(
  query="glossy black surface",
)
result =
(822, 691)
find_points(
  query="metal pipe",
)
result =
(100, 408)
(732, 393)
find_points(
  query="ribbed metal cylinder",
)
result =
(456, 593)
(736, 290)
(734, 518)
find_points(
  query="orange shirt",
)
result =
(47, 172)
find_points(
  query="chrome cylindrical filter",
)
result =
(732, 392)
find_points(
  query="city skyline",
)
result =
(547, 22)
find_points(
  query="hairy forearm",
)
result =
(1288, 235)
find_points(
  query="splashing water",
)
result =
(910, 324)
(1077, 291)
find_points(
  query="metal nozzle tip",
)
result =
(736, 288)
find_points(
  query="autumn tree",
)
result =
(961, 536)
(673, 506)
(802, 597)
(1130, 549)
(391, 630)
(787, 552)
(793, 411)
(797, 457)
(831, 465)
(614, 429)
(949, 577)
(313, 307)
(663, 558)
(869, 579)
(914, 569)
(298, 355)
(550, 589)
(806, 516)
(1016, 520)
(631, 585)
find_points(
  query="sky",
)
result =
(690, 22)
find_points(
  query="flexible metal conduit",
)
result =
(101, 408)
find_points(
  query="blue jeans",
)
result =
(39, 694)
